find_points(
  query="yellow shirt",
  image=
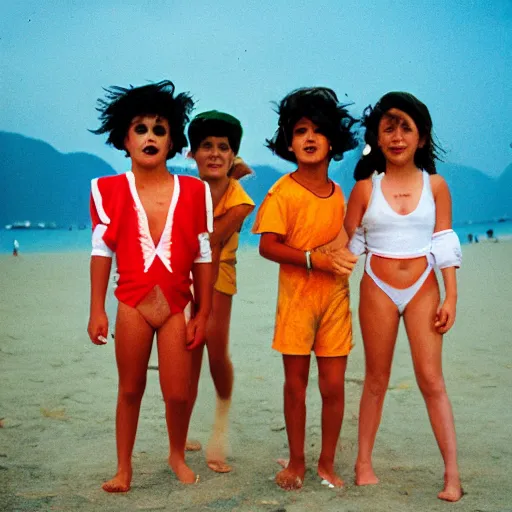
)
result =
(235, 195)
(306, 221)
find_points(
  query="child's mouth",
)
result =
(150, 150)
(310, 149)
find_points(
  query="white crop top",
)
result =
(392, 235)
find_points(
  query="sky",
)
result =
(240, 56)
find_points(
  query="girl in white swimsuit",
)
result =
(399, 214)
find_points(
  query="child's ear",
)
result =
(422, 142)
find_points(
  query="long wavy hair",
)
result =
(425, 157)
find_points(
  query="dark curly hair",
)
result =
(321, 106)
(425, 157)
(123, 104)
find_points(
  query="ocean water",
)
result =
(60, 240)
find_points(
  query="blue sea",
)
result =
(60, 240)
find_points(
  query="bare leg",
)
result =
(197, 361)
(221, 369)
(426, 347)
(133, 342)
(296, 374)
(331, 380)
(175, 363)
(379, 320)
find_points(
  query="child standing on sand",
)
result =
(303, 211)
(399, 214)
(157, 225)
(214, 141)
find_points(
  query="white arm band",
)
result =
(205, 251)
(99, 247)
(357, 244)
(446, 249)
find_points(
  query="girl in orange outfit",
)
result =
(303, 211)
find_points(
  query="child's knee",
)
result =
(295, 388)
(431, 385)
(132, 394)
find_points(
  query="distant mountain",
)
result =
(40, 184)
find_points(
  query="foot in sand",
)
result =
(365, 474)
(219, 466)
(216, 451)
(120, 483)
(290, 479)
(192, 446)
(329, 477)
(452, 489)
(183, 473)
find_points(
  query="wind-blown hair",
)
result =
(121, 105)
(321, 106)
(425, 157)
(215, 124)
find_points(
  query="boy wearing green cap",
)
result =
(215, 140)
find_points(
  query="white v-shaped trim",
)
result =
(163, 249)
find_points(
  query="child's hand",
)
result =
(239, 169)
(196, 328)
(445, 316)
(340, 261)
(98, 327)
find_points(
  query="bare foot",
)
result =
(290, 480)
(283, 462)
(183, 473)
(216, 453)
(452, 489)
(192, 446)
(120, 483)
(329, 477)
(219, 466)
(365, 474)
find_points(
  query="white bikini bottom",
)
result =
(400, 296)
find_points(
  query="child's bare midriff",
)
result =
(398, 273)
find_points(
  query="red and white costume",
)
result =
(120, 226)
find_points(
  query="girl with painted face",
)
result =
(215, 140)
(157, 225)
(399, 215)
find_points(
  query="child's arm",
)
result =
(357, 203)
(445, 317)
(98, 320)
(273, 248)
(240, 169)
(223, 228)
(202, 279)
(227, 224)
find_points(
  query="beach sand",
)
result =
(58, 397)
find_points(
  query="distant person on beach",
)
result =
(214, 141)
(15, 247)
(490, 235)
(157, 225)
(470, 238)
(400, 214)
(301, 212)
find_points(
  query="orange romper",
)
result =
(313, 308)
(235, 195)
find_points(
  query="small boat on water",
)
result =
(19, 225)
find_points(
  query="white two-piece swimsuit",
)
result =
(388, 234)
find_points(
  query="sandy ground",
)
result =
(58, 395)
